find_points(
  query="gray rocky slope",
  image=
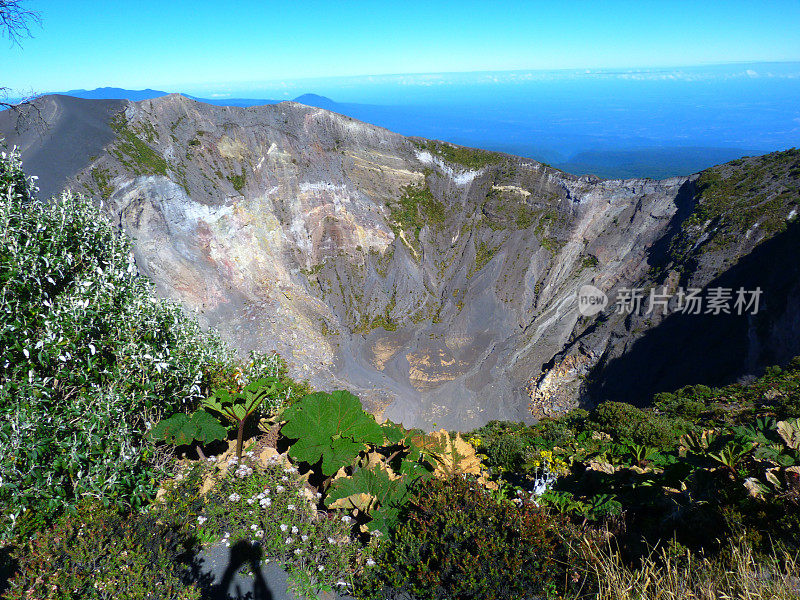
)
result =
(439, 283)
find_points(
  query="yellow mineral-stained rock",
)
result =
(553, 392)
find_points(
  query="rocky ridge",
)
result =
(438, 282)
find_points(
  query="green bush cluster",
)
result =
(456, 541)
(683, 404)
(96, 553)
(625, 422)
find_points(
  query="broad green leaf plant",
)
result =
(373, 492)
(237, 406)
(331, 428)
(183, 430)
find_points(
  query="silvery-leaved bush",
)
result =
(88, 356)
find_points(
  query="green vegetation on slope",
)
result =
(102, 179)
(483, 254)
(134, 153)
(471, 158)
(508, 210)
(237, 181)
(415, 209)
(548, 221)
(736, 197)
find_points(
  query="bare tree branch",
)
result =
(15, 24)
(28, 113)
(16, 20)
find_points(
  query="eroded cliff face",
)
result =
(438, 283)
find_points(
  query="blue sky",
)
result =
(197, 46)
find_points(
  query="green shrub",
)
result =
(88, 358)
(626, 422)
(505, 443)
(456, 541)
(507, 452)
(787, 407)
(374, 494)
(678, 405)
(554, 432)
(97, 553)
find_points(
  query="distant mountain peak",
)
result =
(312, 98)
(318, 101)
(114, 93)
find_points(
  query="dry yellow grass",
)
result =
(663, 576)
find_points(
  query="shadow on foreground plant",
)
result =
(97, 553)
(267, 506)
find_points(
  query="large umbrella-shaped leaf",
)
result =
(331, 427)
(374, 492)
(208, 427)
(167, 430)
(183, 429)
